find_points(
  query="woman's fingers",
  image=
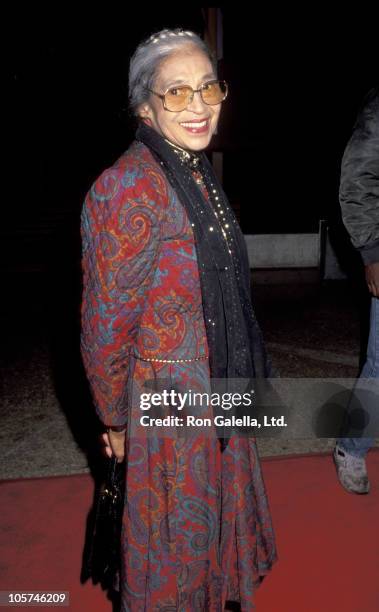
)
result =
(105, 445)
(114, 444)
(117, 444)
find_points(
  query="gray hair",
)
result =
(148, 56)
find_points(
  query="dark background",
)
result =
(296, 84)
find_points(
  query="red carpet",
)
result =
(328, 540)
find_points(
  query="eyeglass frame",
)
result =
(162, 96)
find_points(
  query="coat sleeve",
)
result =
(120, 228)
(359, 186)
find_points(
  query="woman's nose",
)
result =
(196, 105)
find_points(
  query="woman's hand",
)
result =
(114, 442)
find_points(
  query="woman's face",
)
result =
(193, 127)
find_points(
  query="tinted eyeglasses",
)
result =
(176, 99)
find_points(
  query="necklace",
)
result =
(188, 158)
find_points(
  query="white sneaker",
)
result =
(352, 471)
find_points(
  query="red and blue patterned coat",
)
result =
(141, 283)
(196, 527)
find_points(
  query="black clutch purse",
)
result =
(102, 551)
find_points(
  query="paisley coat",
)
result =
(196, 528)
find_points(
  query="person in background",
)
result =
(166, 297)
(359, 199)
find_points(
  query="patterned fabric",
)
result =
(141, 283)
(197, 528)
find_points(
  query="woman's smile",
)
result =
(196, 126)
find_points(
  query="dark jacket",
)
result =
(359, 186)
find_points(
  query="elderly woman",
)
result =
(167, 297)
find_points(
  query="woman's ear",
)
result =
(144, 111)
(145, 114)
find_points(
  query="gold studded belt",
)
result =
(170, 360)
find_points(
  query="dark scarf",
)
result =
(236, 348)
